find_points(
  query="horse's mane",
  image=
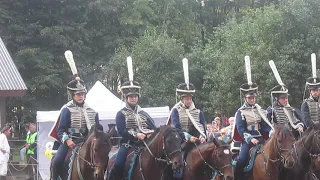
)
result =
(307, 133)
(205, 145)
(165, 130)
(284, 130)
(98, 127)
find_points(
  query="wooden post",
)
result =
(2, 111)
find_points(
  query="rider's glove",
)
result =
(300, 127)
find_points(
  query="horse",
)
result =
(204, 160)
(161, 150)
(90, 157)
(307, 153)
(276, 150)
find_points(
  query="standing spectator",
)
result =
(4, 151)
(214, 130)
(23, 151)
(230, 127)
(31, 148)
(223, 135)
(209, 130)
(217, 120)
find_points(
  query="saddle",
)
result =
(131, 160)
(252, 153)
(68, 162)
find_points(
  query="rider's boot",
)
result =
(115, 174)
(238, 172)
(55, 172)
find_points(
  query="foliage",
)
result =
(214, 35)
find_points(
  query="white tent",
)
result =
(100, 98)
(105, 103)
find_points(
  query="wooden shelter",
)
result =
(11, 82)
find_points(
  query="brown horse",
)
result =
(206, 159)
(91, 158)
(277, 150)
(162, 150)
(307, 153)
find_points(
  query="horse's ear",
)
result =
(112, 132)
(215, 142)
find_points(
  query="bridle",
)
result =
(216, 169)
(315, 136)
(311, 155)
(279, 150)
(167, 158)
(158, 159)
(92, 164)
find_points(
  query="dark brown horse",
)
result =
(91, 158)
(275, 152)
(306, 153)
(206, 159)
(162, 150)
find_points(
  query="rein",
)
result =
(304, 147)
(218, 170)
(279, 150)
(312, 156)
(158, 159)
(91, 163)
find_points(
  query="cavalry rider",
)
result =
(310, 107)
(184, 116)
(132, 122)
(281, 112)
(251, 124)
(75, 120)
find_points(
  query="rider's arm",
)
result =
(270, 115)
(242, 127)
(121, 126)
(300, 119)
(64, 124)
(176, 122)
(150, 121)
(265, 127)
(203, 122)
(305, 113)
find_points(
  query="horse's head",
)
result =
(221, 159)
(167, 143)
(99, 148)
(284, 144)
(311, 140)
